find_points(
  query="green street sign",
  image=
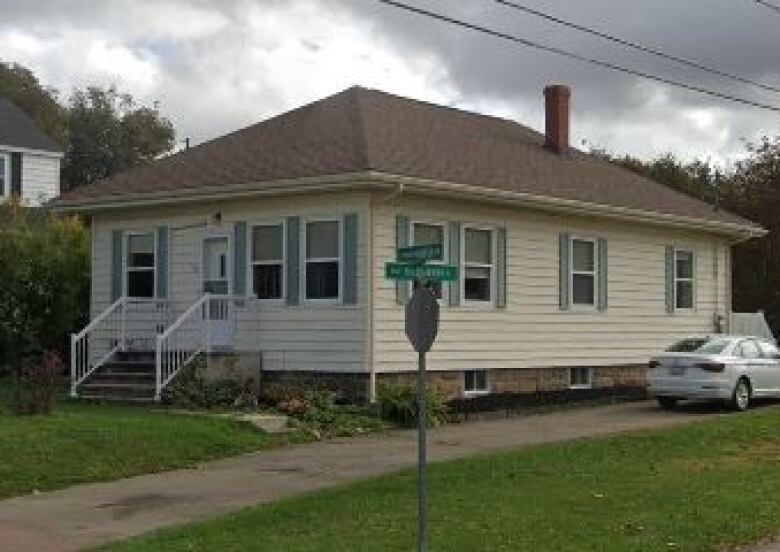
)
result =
(420, 253)
(432, 273)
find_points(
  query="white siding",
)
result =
(532, 331)
(305, 337)
(40, 178)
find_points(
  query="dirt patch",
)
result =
(750, 456)
(139, 504)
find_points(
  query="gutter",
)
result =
(378, 180)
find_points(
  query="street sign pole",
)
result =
(422, 487)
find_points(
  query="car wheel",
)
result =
(667, 403)
(740, 399)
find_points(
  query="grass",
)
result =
(87, 442)
(702, 487)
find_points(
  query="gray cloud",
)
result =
(217, 66)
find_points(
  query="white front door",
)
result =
(216, 281)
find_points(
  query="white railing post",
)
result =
(73, 361)
(158, 361)
(123, 314)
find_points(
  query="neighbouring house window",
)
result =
(267, 261)
(140, 265)
(323, 259)
(583, 272)
(475, 382)
(479, 265)
(580, 378)
(683, 279)
(5, 178)
(429, 234)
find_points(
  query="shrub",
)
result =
(44, 270)
(398, 404)
(35, 390)
(191, 390)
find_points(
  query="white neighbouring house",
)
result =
(265, 250)
(29, 159)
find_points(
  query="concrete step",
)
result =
(128, 367)
(144, 356)
(116, 391)
(115, 376)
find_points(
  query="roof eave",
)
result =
(376, 179)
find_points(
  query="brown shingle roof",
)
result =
(359, 130)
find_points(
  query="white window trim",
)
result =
(588, 385)
(491, 303)
(476, 392)
(692, 280)
(228, 259)
(7, 174)
(126, 269)
(594, 273)
(445, 289)
(340, 259)
(250, 277)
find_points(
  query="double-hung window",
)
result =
(5, 174)
(479, 265)
(323, 259)
(140, 264)
(683, 279)
(583, 272)
(267, 261)
(424, 233)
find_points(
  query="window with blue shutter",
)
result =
(350, 284)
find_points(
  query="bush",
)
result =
(398, 404)
(191, 390)
(44, 270)
(35, 389)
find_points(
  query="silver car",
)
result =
(735, 369)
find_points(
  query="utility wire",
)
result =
(637, 46)
(578, 57)
(769, 5)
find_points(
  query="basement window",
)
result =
(580, 378)
(475, 382)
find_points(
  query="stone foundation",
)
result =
(523, 380)
(352, 388)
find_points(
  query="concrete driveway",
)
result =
(94, 514)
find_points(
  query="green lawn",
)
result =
(84, 442)
(701, 487)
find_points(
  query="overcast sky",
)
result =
(214, 66)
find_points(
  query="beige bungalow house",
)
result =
(265, 250)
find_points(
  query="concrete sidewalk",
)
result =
(94, 514)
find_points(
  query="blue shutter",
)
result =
(564, 300)
(669, 278)
(293, 260)
(603, 274)
(162, 262)
(350, 286)
(501, 268)
(401, 240)
(454, 237)
(16, 174)
(117, 242)
(239, 259)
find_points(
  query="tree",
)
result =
(109, 133)
(44, 270)
(21, 86)
(754, 193)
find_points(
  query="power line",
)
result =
(769, 5)
(637, 46)
(578, 57)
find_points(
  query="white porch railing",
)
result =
(128, 323)
(190, 335)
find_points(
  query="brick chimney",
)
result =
(556, 117)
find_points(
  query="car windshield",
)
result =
(714, 347)
(687, 345)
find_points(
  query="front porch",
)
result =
(134, 348)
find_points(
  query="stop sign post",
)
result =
(422, 326)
